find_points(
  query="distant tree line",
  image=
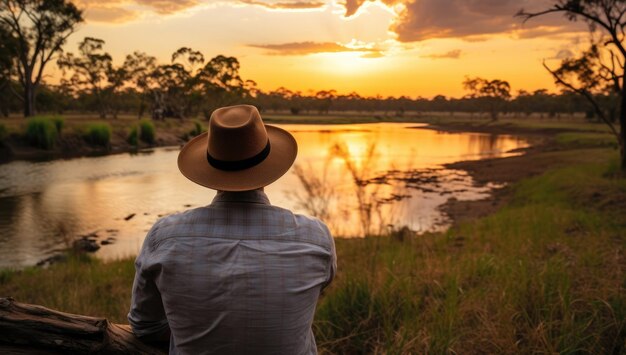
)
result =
(33, 33)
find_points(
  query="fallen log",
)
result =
(32, 329)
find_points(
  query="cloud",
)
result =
(286, 5)
(117, 11)
(419, 20)
(453, 54)
(110, 14)
(304, 48)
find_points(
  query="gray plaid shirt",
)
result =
(236, 277)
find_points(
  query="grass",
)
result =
(42, 131)
(98, 134)
(543, 274)
(144, 131)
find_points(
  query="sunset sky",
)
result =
(389, 47)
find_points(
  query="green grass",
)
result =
(42, 132)
(544, 274)
(198, 128)
(577, 139)
(98, 134)
(145, 131)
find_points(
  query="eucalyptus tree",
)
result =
(597, 74)
(93, 72)
(139, 68)
(40, 28)
(493, 93)
(221, 83)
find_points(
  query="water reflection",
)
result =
(359, 178)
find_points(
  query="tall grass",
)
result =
(545, 274)
(144, 132)
(42, 132)
(198, 128)
(98, 134)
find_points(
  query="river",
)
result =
(361, 179)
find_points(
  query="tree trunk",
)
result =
(622, 130)
(31, 329)
(29, 100)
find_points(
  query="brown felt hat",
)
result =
(238, 152)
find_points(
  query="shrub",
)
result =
(146, 131)
(98, 134)
(198, 128)
(41, 132)
(59, 122)
(132, 136)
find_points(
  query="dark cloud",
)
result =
(453, 54)
(426, 19)
(286, 5)
(303, 48)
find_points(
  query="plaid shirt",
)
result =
(236, 277)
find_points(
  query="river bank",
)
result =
(541, 270)
(175, 132)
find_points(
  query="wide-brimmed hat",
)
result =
(238, 152)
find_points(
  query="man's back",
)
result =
(237, 276)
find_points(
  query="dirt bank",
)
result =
(68, 146)
(543, 154)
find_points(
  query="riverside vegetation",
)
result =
(543, 273)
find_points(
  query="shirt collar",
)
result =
(252, 196)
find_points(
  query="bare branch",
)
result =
(587, 95)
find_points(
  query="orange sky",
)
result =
(388, 47)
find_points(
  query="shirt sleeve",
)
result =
(332, 262)
(147, 316)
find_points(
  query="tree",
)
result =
(598, 73)
(6, 66)
(40, 28)
(494, 93)
(139, 67)
(221, 83)
(89, 69)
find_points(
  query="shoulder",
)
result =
(164, 226)
(314, 228)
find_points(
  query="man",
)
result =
(238, 276)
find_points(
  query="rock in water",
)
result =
(85, 245)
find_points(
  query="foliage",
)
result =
(601, 68)
(198, 128)
(147, 131)
(133, 137)
(93, 71)
(41, 132)
(144, 131)
(41, 28)
(98, 134)
(494, 92)
(59, 122)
